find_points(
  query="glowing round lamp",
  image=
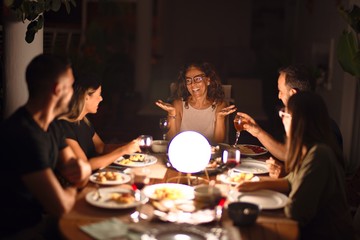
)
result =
(189, 152)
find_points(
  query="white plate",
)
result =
(225, 178)
(266, 199)
(186, 192)
(105, 201)
(178, 232)
(148, 160)
(252, 166)
(124, 179)
(257, 150)
(195, 218)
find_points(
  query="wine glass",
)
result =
(231, 158)
(239, 126)
(145, 142)
(164, 127)
(140, 177)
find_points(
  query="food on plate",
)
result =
(137, 157)
(213, 163)
(132, 158)
(167, 193)
(214, 149)
(108, 176)
(123, 198)
(251, 149)
(241, 177)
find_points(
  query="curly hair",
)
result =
(215, 92)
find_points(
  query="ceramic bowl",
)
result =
(243, 213)
(159, 146)
(207, 194)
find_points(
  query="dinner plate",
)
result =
(174, 191)
(194, 218)
(124, 178)
(227, 179)
(251, 150)
(126, 162)
(173, 232)
(106, 202)
(266, 199)
(252, 166)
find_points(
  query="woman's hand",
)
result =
(275, 168)
(249, 186)
(226, 111)
(166, 106)
(132, 147)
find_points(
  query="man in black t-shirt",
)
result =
(40, 174)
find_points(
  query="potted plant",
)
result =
(33, 11)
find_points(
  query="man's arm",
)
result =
(46, 188)
(75, 170)
(276, 148)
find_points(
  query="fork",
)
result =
(97, 196)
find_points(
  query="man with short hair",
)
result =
(291, 80)
(41, 175)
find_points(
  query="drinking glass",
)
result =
(231, 158)
(239, 126)
(164, 127)
(145, 142)
(140, 177)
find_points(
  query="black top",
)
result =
(82, 133)
(24, 148)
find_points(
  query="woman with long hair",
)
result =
(80, 133)
(315, 182)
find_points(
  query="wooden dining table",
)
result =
(270, 224)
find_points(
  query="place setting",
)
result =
(142, 159)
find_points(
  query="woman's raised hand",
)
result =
(165, 106)
(226, 111)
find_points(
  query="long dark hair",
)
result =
(310, 125)
(85, 84)
(215, 92)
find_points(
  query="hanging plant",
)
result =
(348, 51)
(33, 11)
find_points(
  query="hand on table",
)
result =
(276, 169)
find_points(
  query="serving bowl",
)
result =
(159, 146)
(243, 213)
(207, 195)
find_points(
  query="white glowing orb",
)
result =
(189, 152)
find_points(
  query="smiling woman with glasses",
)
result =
(199, 103)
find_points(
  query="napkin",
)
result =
(108, 229)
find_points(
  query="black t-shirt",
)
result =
(81, 132)
(24, 148)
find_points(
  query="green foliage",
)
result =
(33, 11)
(348, 52)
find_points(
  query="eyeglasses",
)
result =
(283, 114)
(195, 79)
